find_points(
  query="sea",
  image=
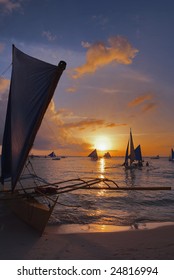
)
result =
(132, 208)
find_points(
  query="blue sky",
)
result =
(119, 74)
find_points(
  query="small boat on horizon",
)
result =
(155, 157)
(107, 155)
(53, 156)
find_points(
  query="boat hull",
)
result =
(30, 210)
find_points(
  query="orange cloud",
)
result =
(91, 123)
(149, 106)
(140, 99)
(98, 55)
(71, 90)
(4, 85)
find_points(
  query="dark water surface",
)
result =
(102, 207)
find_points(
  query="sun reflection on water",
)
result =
(102, 165)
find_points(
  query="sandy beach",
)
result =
(19, 241)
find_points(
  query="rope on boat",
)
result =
(3, 72)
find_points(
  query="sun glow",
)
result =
(102, 143)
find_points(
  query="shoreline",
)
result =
(18, 241)
(96, 228)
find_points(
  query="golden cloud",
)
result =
(4, 85)
(98, 55)
(140, 99)
(149, 106)
(91, 123)
(71, 90)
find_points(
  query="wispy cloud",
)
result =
(49, 36)
(63, 129)
(143, 101)
(92, 124)
(100, 20)
(71, 89)
(119, 50)
(140, 99)
(9, 5)
(149, 106)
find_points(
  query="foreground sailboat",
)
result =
(32, 86)
(133, 157)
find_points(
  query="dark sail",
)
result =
(138, 155)
(33, 83)
(52, 154)
(93, 155)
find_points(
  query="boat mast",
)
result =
(132, 151)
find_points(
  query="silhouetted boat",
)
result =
(155, 157)
(32, 86)
(53, 156)
(93, 155)
(133, 157)
(171, 158)
(107, 155)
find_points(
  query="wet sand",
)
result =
(19, 241)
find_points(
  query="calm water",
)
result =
(122, 208)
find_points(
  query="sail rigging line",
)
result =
(4, 71)
(34, 175)
(35, 181)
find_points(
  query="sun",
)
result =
(102, 143)
(102, 146)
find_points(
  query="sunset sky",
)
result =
(119, 75)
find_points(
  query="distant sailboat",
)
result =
(155, 157)
(53, 156)
(107, 155)
(171, 158)
(32, 86)
(133, 157)
(93, 155)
